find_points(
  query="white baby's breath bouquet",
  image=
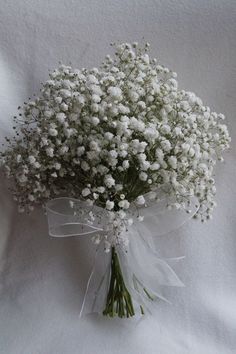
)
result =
(112, 138)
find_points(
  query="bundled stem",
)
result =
(119, 301)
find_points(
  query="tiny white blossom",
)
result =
(109, 181)
(31, 159)
(64, 149)
(118, 187)
(85, 192)
(57, 166)
(108, 136)
(115, 92)
(124, 204)
(166, 145)
(19, 158)
(143, 176)
(85, 166)
(140, 200)
(31, 197)
(96, 98)
(122, 214)
(80, 150)
(125, 164)
(172, 160)
(95, 120)
(61, 117)
(50, 152)
(53, 132)
(109, 205)
(155, 166)
(101, 189)
(130, 222)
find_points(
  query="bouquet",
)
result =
(101, 147)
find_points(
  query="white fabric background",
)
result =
(42, 279)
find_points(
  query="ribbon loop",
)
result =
(72, 217)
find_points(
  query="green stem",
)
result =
(148, 294)
(119, 302)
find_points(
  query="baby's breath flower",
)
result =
(124, 204)
(85, 192)
(31, 159)
(109, 181)
(109, 135)
(140, 200)
(53, 132)
(109, 205)
(61, 117)
(50, 152)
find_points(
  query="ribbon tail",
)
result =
(145, 273)
(97, 284)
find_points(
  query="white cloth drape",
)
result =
(43, 279)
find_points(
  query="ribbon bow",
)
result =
(144, 272)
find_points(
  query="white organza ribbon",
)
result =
(144, 272)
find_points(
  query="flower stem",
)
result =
(119, 302)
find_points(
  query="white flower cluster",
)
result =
(112, 134)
